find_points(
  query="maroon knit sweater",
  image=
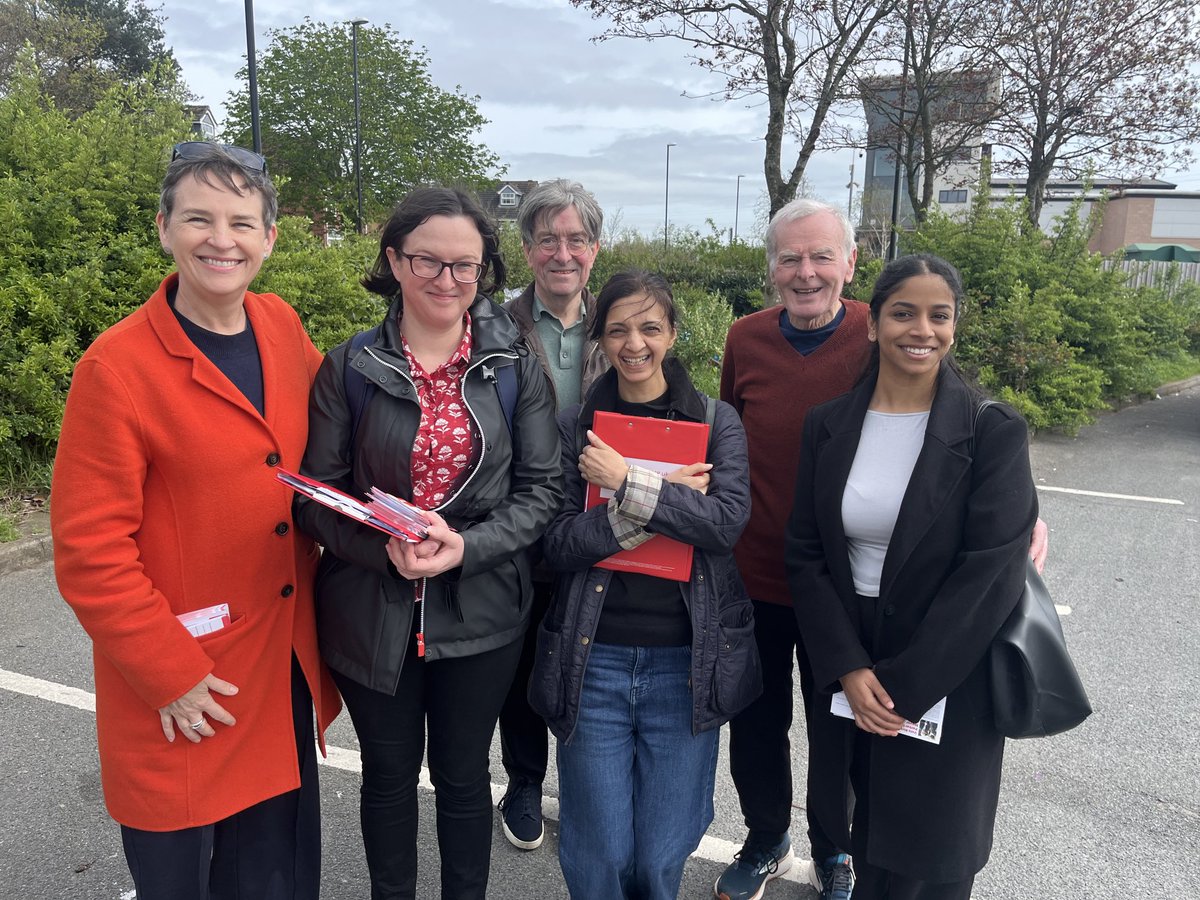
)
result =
(773, 387)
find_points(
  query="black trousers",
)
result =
(524, 738)
(271, 851)
(760, 753)
(460, 699)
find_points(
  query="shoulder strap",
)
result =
(506, 387)
(505, 380)
(358, 389)
(983, 404)
(710, 415)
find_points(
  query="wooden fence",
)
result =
(1146, 273)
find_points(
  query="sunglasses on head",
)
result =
(247, 159)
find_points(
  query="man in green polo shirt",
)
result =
(560, 226)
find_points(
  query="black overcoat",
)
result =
(953, 572)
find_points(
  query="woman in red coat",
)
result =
(165, 504)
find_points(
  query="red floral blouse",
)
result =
(442, 449)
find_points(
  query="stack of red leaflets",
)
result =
(387, 513)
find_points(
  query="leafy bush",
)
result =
(1048, 325)
(78, 247)
(704, 320)
(323, 283)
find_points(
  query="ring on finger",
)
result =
(198, 725)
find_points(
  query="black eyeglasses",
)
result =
(247, 159)
(428, 267)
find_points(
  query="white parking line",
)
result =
(713, 849)
(1107, 496)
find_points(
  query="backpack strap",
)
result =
(506, 387)
(358, 389)
(505, 380)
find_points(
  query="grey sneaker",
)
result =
(752, 867)
(834, 878)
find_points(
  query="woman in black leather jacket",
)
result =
(635, 674)
(427, 636)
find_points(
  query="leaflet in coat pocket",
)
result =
(200, 622)
(928, 729)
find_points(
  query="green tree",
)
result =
(413, 132)
(133, 43)
(83, 48)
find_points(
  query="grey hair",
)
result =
(216, 164)
(550, 198)
(802, 208)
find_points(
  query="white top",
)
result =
(887, 452)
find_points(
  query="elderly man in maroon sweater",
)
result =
(779, 363)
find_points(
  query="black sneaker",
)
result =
(834, 878)
(521, 814)
(752, 867)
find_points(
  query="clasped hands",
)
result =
(441, 551)
(601, 465)
(870, 703)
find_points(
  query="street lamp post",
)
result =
(667, 200)
(252, 72)
(737, 205)
(357, 124)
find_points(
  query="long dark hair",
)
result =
(416, 208)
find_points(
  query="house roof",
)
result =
(1099, 183)
(521, 187)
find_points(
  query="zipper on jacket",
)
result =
(474, 418)
(419, 600)
(419, 588)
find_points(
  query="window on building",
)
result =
(952, 196)
(508, 198)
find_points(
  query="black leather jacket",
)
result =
(511, 492)
(726, 673)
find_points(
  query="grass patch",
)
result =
(24, 484)
(1166, 371)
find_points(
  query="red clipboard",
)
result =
(661, 445)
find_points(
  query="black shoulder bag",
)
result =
(1036, 691)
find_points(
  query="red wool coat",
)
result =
(165, 500)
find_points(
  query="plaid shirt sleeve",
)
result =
(629, 516)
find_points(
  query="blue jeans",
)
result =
(635, 785)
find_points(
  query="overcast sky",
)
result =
(558, 104)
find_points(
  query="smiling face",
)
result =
(560, 276)
(219, 242)
(637, 335)
(915, 328)
(811, 268)
(436, 305)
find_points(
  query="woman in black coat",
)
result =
(905, 556)
(423, 639)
